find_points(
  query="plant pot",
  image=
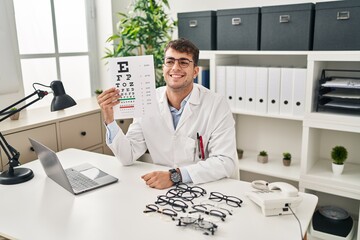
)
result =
(286, 162)
(15, 116)
(337, 169)
(262, 159)
(240, 153)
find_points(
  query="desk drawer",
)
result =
(82, 132)
(20, 141)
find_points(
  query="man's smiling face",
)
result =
(179, 78)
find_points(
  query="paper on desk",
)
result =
(135, 78)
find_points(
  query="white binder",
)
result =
(286, 91)
(231, 86)
(250, 92)
(240, 88)
(274, 90)
(299, 91)
(221, 80)
(261, 89)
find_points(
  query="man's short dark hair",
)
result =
(184, 46)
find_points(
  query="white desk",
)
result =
(41, 209)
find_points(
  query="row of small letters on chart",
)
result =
(263, 90)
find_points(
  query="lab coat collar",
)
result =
(192, 103)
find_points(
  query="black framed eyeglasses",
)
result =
(177, 204)
(213, 212)
(183, 62)
(230, 200)
(166, 211)
(183, 195)
(198, 223)
(198, 191)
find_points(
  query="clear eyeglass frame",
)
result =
(153, 208)
(199, 208)
(183, 62)
(198, 223)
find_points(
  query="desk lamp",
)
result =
(60, 101)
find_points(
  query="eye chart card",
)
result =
(135, 78)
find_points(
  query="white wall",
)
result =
(104, 25)
(107, 19)
(11, 89)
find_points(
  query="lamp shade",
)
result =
(61, 100)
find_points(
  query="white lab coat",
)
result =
(206, 113)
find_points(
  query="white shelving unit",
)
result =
(309, 138)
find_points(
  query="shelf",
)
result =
(349, 123)
(287, 117)
(321, 178)
(230, 52)
(274, 167)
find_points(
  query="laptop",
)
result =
(78, 179)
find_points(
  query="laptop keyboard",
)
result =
(79, 181)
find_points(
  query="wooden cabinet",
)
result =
(81, 132)
(76, 127)
(20, 141)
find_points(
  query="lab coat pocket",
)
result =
(190, 149)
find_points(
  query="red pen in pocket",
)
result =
(202, 148)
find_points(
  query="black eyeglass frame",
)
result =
(183, 195)
(198, 191)
(230, 200)
(177, 204)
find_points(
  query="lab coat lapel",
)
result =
(165, 112)
(190, 106)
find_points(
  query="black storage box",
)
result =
(199, 28)
(287, 27)
(337, 25)
(238, 29)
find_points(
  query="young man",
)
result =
(187, 114)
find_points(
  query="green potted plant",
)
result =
(338, 155)
(98, 92)
(145, 30)
(262, 157)
(286, 158)
(16, 115)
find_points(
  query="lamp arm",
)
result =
(7, 113)
(12, 154)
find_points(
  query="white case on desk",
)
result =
(273, 90)
(299, 91)
(231, 85)
(240, 88)
(261, 89)
(286, 91)
(250, 92)
(221, 80)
